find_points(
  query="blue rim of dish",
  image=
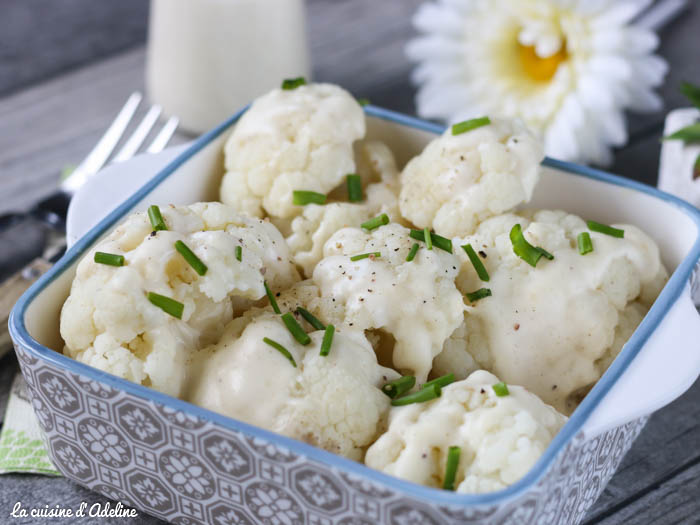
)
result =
(671, 292)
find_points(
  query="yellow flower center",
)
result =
(537, 68)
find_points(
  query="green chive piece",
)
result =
(585, 245)
(295, 329)
(376, 222)
(468, 125)
(354, 187)
(523, 249)
(371, 255)
(691, 92)
(696, 168)
(453, 454)
(327, 340)
(272, 300)
(545, 253)
(427, 239)
(168, 305)
(399, 386)
(110, 259)
(421, 396)
(239, 253)
(438, 241)
(687, 134)
(501, 389)
(441, 381)
(302, 198)
(476, 262)
(282, 350)
(293, 83)
(156, 218)
(413, 252)
(604, 228)
(479, 294)
(310, 318)
(194, 261)
(363, 102)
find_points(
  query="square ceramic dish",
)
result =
(189, 465)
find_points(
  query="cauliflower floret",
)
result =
(500, 438)
(416, 302)
(553, 328)
(460, 180)
(333, 402)
(300, 139)
(311, 229)
(108, 321)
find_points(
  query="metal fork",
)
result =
(52, 210)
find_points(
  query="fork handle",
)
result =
(10, 291)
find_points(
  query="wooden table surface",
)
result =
(358, 44)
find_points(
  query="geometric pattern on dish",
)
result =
(189, 470)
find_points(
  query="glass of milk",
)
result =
(208, 58)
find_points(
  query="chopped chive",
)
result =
(687, 134)
(441, 381)
(476, 262)
(168, 305)
(327, 340)
(303, 197)
(453, 454)
(479, 294)
(413, 252)
(585, 245)
(468, 125)
(293, 83)
(523, 249)
(295, 329)
(376, 222)
(310, 318)
(427, 239)
(545, 253)
(399, 386)
(437, 240)
(363, 101)
(282, 350)
(156, 218)
(111, 259)
(371, 255)
(239, 253)
(271, 297)
(354, 187)
(194, 261)
(501, 389)
(604, 228)
(421, 396)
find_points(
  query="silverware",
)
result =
(52, 210)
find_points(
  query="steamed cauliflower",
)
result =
(300, 139)
(311, 229)
(553, 328)
(108, 321)
(458, 181)
(500, 438)
(416, 302)
(333, 402)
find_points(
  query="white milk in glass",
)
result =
(208, 58)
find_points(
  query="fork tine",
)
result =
(101, 152)
(134, 143)
(164, 136)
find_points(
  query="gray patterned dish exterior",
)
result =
(188, 470)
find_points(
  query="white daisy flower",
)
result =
(568, 68)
